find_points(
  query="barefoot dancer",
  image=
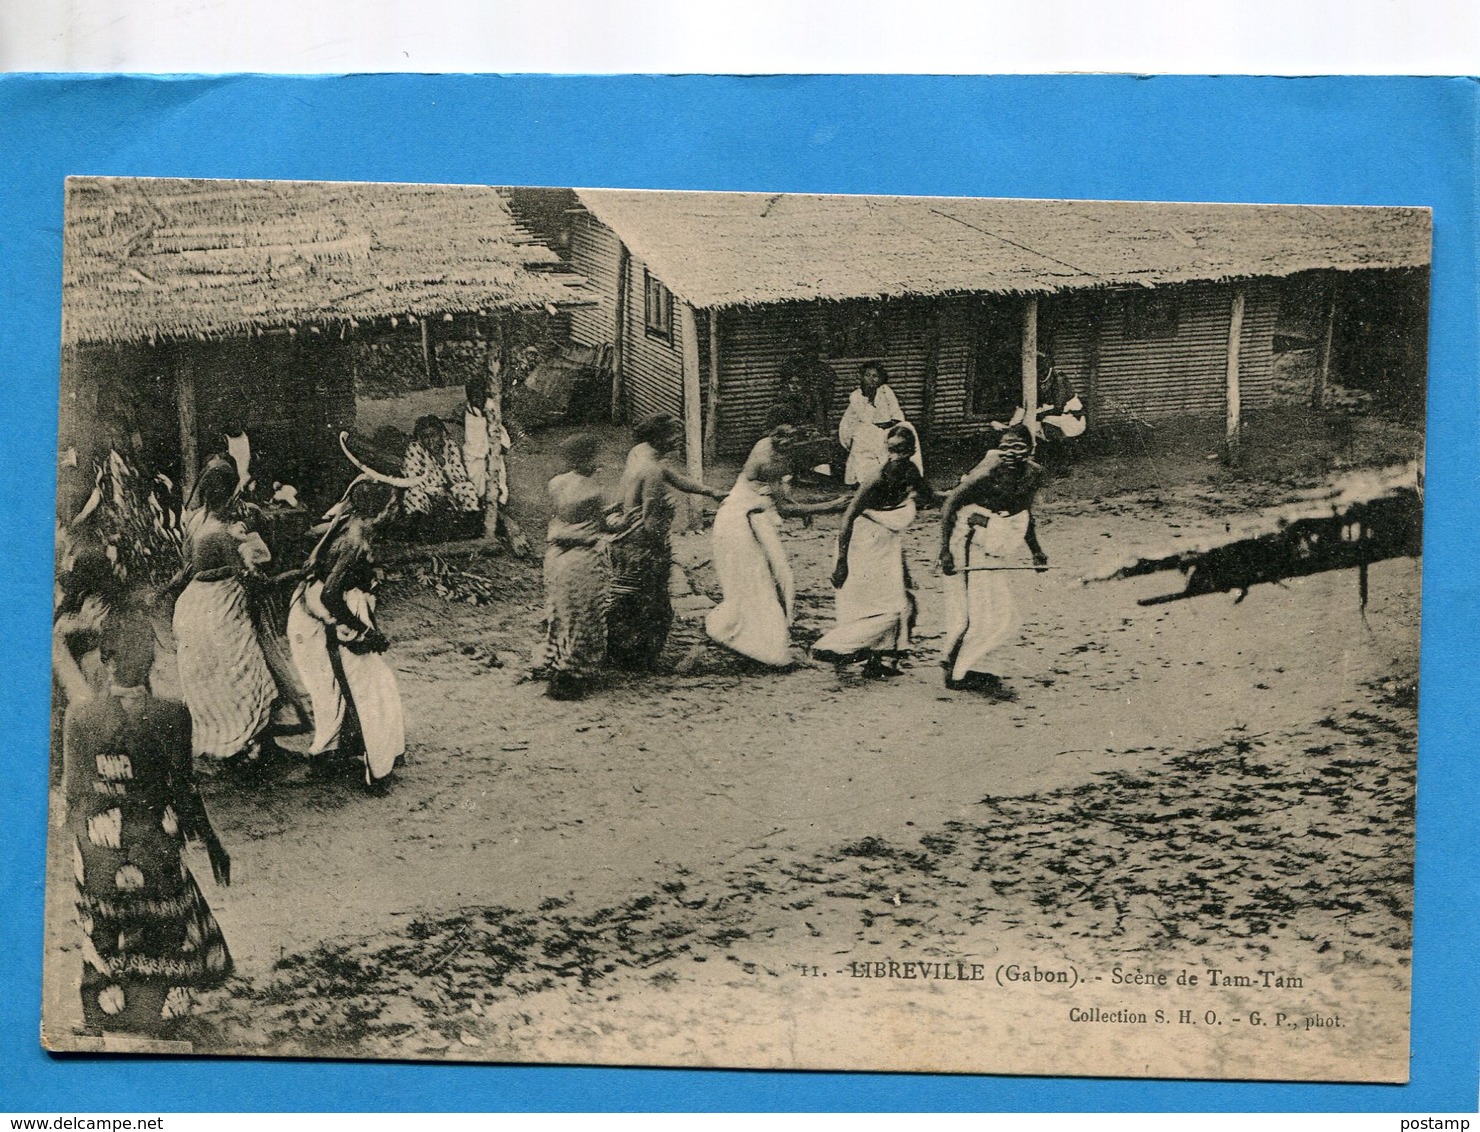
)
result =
(875, 608)
(149, 938)
(987, 516)
(335, 642)
(224, 676)
(577, 575)
(641, 612)
(755, 616)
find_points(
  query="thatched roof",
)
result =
(147, 259)
(732, 249)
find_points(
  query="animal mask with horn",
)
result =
(337, 516)
(379, 477)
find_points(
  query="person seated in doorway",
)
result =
(442, 502)
(804, 388)
(1059, 416)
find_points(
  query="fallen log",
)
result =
(1366, 518)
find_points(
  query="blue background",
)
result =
(1320, 141)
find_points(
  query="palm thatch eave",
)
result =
(175, 260)
(726, 250)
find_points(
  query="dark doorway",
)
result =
(995, 362)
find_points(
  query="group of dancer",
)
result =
(985, 520)
(607, 566)
(234, 669)
(129, 757)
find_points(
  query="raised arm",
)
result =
(64, 665)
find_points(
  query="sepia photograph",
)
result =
(748, 630)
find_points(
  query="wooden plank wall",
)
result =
(653, 367)
(1184, 375)
(753, 345)
(595, 252)
(753, 348)
(951, 418)
(1180, 375)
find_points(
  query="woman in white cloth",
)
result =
(873, 410)
(875, 605)
(987, 517)
(336, 644)
(759, 602)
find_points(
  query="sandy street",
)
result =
(703, 867)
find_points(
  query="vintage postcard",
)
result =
(751, 630)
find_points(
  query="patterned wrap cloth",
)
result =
(148, 935)
(576, 579)
(641, 611)
(442, 480)
(224, 676)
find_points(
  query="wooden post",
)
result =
(493, 410)
(1323, 367)
(693, 427)
(619, 333)
(428, 352)
(711, 405)
(1030, 363)
(1233, 423)
(1091, 394)
(185, 405)
(926, 430)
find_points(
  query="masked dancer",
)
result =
(986, 520)
(334, 638)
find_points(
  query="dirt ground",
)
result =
(700, 867)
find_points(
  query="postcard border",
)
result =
(1334, 140)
